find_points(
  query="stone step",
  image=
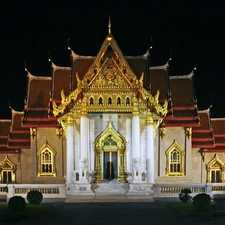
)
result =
(108, 198)
(111, 188)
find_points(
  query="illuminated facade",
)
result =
(111, 120)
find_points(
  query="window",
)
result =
(46, 158)
(118, 101)
(109, 100)
(127, 101)
(8, 170)
(175, 160)
(110, 141)
(100, 101)
(91, 101)
(215, 170)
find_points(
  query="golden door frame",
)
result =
(119, 146)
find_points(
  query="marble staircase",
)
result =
(110, 188)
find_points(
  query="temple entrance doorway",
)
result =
(110, 160)
(110, 166)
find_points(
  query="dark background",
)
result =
(192, 32)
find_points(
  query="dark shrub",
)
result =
(184, 196)
(201, 201)
(16, 204)
(34, 197)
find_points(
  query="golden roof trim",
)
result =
(116, 68)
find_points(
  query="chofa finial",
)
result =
(109, 25)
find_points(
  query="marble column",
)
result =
(70, 150)
(136, 137)
(150, 162)
(136, 154)
(84, 135)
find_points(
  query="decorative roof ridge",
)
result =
(161, 67)
(56, 67)
(205, 110)
(17, 112)
(5, 120)
(75, 55)
(188, 76)
(215, 119)
(144, 56)
(33, 77)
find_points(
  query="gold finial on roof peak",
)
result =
(109, 26)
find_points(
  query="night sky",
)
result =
(193, 34)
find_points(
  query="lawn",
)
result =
(7, 217)
(209, 216)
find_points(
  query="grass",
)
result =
(7, 216)
(210, 216)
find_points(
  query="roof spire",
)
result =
(151, 47)
(171, 55)
(25, 65)
(49, 59)
(68, 44)
(109, 26)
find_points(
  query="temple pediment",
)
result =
(110, 85)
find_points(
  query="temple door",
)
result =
(110, 166)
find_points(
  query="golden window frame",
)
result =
(45, 147)
(181, 152)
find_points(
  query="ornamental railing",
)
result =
(172, 190)
(58, 191)
(49, 191)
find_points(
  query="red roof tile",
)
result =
(81, 64)
(159, 81)
(39, 90)
(218, 127)
(181, 88)
(19, 137)
(61, 81)
(202, 136)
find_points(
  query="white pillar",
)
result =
(84, 135)
(136, 159)
(70, 151)
(135, 137)
(150, 162)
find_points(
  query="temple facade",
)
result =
(111, 124)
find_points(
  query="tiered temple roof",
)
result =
(19, 137)
(183, 111)
(203, 137)
(218, 126)
(178, 91)
(37, 111)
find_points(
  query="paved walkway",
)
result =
(108, 213)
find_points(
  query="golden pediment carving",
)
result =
(109, 76)
(110, 85)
